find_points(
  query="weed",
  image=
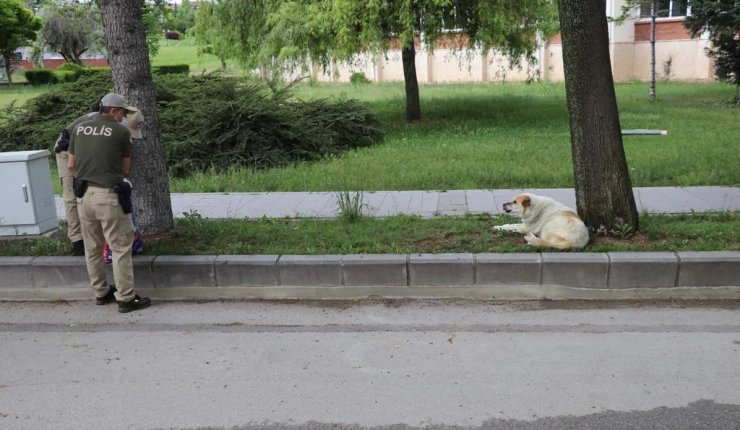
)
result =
(193, 219)
(350, 205)
(621, 229)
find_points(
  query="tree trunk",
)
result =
(6, 65)
(413, 105)
(602, 183)
(653, 13)
(129, 61)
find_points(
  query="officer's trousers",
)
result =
(103, 220)
(74, 231)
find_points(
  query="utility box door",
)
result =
(26, 194)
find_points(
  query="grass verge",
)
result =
(195, 235)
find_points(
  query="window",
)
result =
(665, 8)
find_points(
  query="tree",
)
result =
(602, 183)
(71, 29)
(508, 27)
(234, 29)
(132, 77)
(653, 9)
(19, 28)
(324, 31)
(211, 36)
(722, 19)
(182, 18)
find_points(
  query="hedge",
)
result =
(171, 69)
(40, 77)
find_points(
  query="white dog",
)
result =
(546, 222)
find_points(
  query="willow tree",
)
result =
(132, 78)
(233, 29)
(322, 31)
(207, 31)
(342, 29)
(602, 182)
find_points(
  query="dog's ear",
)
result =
(526, 202)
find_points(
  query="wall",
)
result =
(57, 62)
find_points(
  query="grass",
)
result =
(479, 136)
(185, 52)
(472, 136)
(18, 94)
(195, 235)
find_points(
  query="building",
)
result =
(678, 56)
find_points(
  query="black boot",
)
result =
(135, 304)
(78, 248)
(108, 298)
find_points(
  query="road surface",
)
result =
(370, 364)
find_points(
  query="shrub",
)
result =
(208, 121)
(40, 77)
(171, 69)
(104, 71)
(216, 122)
(172, 35)
(66, 75)
(359, 78)
(69, 72)
(70, 67)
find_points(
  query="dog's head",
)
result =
(519, 204)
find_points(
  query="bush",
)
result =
(69, 72)
(208, 121)
(104, 71)
(172, 35)
(172, 69)
(70, 67)
(217, 122)
(66, 75)
(40, 77)
(358, 78)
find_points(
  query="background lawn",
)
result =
(481, 136)
(185, 52)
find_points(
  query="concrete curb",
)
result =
(521, 276)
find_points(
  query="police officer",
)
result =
(74, 232)
(100, 159)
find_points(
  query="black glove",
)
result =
(62, 143)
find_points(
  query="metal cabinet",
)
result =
(26, 198)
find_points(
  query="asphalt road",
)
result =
(370, 364)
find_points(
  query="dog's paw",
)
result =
(499, 227)
(531, 239)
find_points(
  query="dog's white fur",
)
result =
(546, 222)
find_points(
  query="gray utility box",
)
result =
(26, 198)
